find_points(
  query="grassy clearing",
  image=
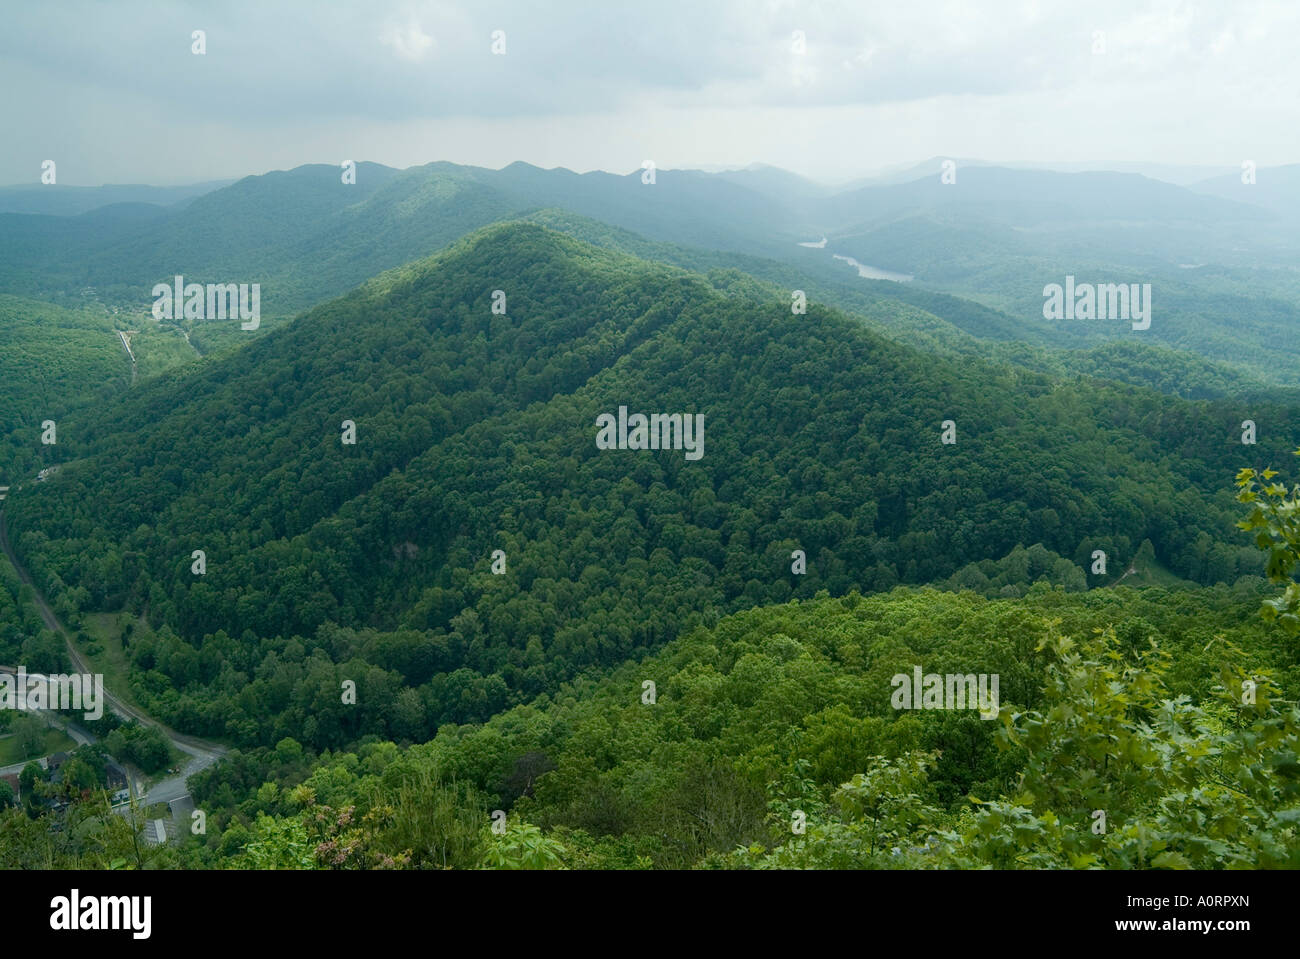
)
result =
(106, 655)
(56, 740)
(105, 652)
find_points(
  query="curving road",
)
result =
(202, 752)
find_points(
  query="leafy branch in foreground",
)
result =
(1275, 519)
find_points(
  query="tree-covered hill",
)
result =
(57, 357)
(49, 353)
(307, 236)
(476, 432)
(944, 324)
(244, 232)
(770, 740)
(1221, 271)
(57, 364)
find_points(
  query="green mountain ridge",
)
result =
(307, 237)
(476, 433)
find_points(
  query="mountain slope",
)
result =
(476, 432)
(1276, 189)
(1040, 197)
(54, 200)
(1221, 270)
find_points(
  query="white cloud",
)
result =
(408, 40)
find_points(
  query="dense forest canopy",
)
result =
(1221, 262)
(476, 433)
(640, 658)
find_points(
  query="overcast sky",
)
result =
(113, 93)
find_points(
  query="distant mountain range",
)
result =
(59, 200)
(995, 237)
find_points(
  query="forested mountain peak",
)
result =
(477, 524)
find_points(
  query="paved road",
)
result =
(201, 752)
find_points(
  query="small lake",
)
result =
(864, 271)
(873, 273)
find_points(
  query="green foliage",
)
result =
(521, 846)
(1180, 784)
(370, 563)
(1161, 709)
(785, 710)
(143, 746)
(1275, 520)
(86, 834)
(1019, 569)
(29, 735)
(276, 844)
(50, 356)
